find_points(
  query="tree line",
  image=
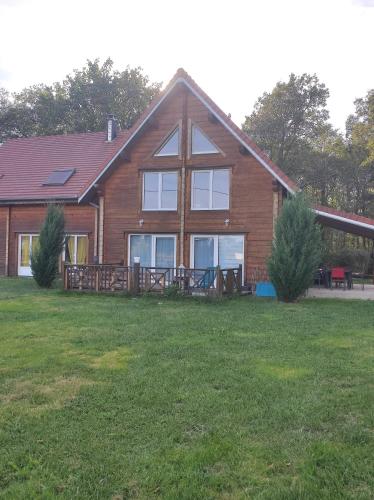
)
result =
(290, 123)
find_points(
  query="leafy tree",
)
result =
(80, 103)
(286, 119)
(44, 261)
(296, 250)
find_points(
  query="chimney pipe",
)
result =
(111, 128)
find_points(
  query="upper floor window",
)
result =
(200, 144)
(160, 190)
(170, 147)
(210, 189)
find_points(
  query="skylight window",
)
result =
(171, 145)
(200, 144)
(59, 177)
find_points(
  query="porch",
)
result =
(137, 279)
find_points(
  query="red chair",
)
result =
(338, 276)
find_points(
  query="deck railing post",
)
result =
(97, 279)
(219, 282)
(230, 281)
(136, 278)
(65, 276)
(240, 277)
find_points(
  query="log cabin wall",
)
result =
(28, 219)
(251, 196)
(3, 238)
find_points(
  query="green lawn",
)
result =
(112, 397)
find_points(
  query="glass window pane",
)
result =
(151, 181)
(25, 251)
(169, 200)
(169, 191)
(141, 246)
(220, 195)
(169, 181)
(69, 254)
(200, 142)
(151, 190)
(203, 252)
(164, 251)
(82, 244)
(34, 242)
(170, 146)
(230, 251)
(201, 190)
(151, 200)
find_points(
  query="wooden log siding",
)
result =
(137, 279)
(251, 191)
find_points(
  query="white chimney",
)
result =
(111, 128)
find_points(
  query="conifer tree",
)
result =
(44, 261)
(296, 250)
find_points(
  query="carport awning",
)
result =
(344, 221)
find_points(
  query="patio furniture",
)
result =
(338, 276)
(207, 280)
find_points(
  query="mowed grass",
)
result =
(114, 397)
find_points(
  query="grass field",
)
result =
(111, 397)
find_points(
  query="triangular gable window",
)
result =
(200, 144)
(170, 147)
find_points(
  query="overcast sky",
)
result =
(234, 49)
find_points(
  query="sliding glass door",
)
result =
(153, 250)
(213, 250)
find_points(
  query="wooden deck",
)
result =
(137, 279)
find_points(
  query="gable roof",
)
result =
(182, 77)
(26, 164)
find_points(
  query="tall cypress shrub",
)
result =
(44, 261)
(296, 250)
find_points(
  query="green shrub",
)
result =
(296, 249)
(44, 261)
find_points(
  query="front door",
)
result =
(26, 245)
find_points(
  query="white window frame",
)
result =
(215, 248)
(156, 154)
(211, 172)
(159, 209)
(24, 270)
(153, 246)
(202, 152)
(75, 236)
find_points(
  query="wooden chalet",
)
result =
(184, 187)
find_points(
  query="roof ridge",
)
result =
(49, 136)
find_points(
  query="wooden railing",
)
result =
(137, 279)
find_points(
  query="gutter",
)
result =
(39, 201)
(343, 219)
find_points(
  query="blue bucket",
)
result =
(265, 289)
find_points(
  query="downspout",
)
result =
(7, 231)
(101, 229)
(97, 210)
(183, 178)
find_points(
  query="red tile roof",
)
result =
(25, 164)
(350, 218)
